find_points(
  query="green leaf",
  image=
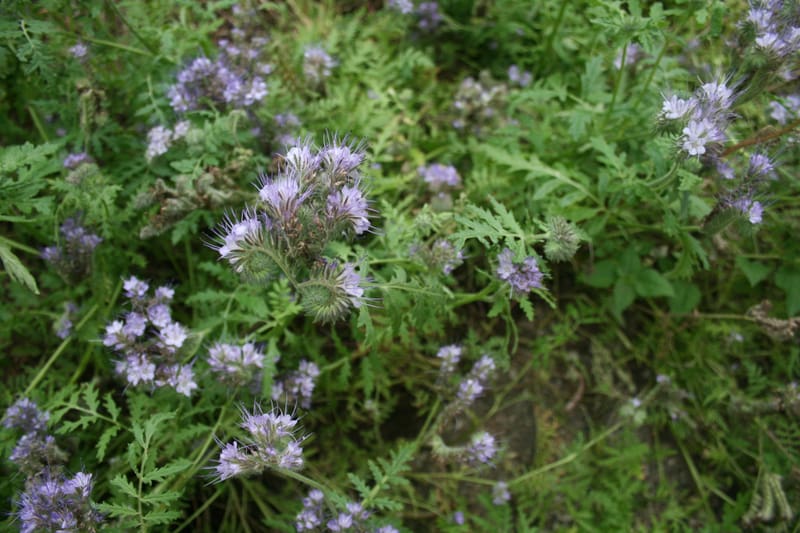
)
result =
(16, 270)
(527, 307)
(125, 486)
(649, 284)
(102, 443)
(686, 297)
(622, 297)
(788, 279)
(754, 272)
(168, 470)
(603, 276)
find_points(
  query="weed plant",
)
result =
(463, 265)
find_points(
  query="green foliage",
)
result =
(650, 385)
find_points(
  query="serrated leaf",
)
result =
(125, 486)
(527, 307)
(111, 406)
(16, 270)
(161, 517)
(113, 509)
(105, 438)
(168, 470)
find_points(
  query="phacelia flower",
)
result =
(521, 78)
(429, 16)
(450, 355)
(297, 386)
(404, 7)
(72, 258)
(58, 503)
(79, 51)
(159, 140)
(522, 277)
(349, 204)
(25, 415)
(236, 365)
(439, 176)
(74, 160)
(317, 64)
(271, 442)
(500, 493)
(482, 449)
(674, 108)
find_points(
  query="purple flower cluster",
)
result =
(160, 138)
(235, 79)
(79, 51)
(478, 103)
(473, 385)
(74, 160)
(25, 415)
(286, 128)
(481, 449)
(441, 255)
(236, 365)
(316, 197)
(404, 7)
(705, 115)
(63, 326)
(775, 34)
(72, 259)
(785, 110)
(440, 177)
(429, 16)
(317, 64)
(633, 54)
(522, 277)
(148, 340)
(53, 502)
(449, 355)
(271, 442)
(313, 516)
(298, 386)
(519, 77)
(500, 493)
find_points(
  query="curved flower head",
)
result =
(349, 205)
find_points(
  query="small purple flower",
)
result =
(159, 315)
(439, 176)
(282, 196)
(458, 518)
(674, 108)
(271, 442)
(24, 414)
(450, 356)
(699, 134)
(79, 51)
(523, 79)
(58, 503)
(429, 16)
(311, 516)
(349, 281)
(172, 336)
(760, 165)
(404, 7)
(135, 289)
(752, 209)
(468, 391)
(317, 64)
(717, 94)
(298, 386)
(73, 161)
(234, 364)
(135, 325)
(137, 368)
(159, 140)
(180, 378)
(522, 277)
(481, 449)
(349, 204)
(500, 493)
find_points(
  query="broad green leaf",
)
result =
(650, 283)
(754, 272)
(788, 279)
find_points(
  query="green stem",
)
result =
(650, 76)
(19, 246)
(61, 347)
(112, 44)
(618, 83)
(38, 123)
(118, 13)
(552, 35)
